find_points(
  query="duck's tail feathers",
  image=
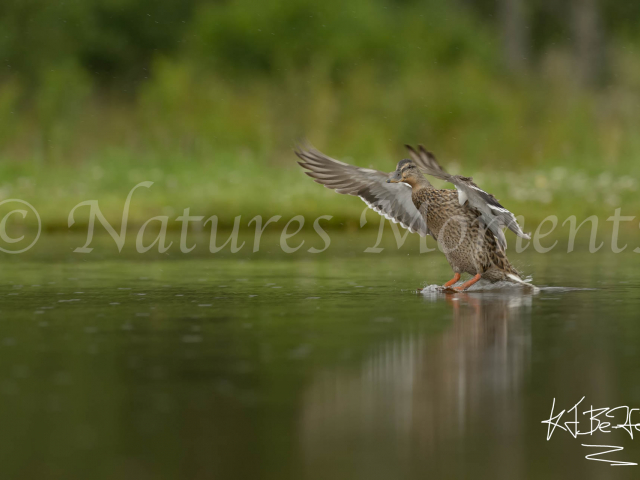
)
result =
(512, 271)
(516, 279)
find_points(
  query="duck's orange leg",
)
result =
(468, 283)
(455, 278)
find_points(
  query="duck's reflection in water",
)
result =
(425, 399)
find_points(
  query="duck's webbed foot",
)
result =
(455, 278)
(468, 283)
(447, 287)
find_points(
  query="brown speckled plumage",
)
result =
(467, 222)
(467, 245)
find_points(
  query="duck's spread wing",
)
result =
(491, 213)
(391, 200)
(427, 163)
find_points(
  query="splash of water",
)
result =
(482, 285)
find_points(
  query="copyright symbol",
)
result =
(19, 212)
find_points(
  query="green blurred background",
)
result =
(538, 99)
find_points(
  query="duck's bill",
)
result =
(394, 177)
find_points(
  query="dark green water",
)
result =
(251, 366)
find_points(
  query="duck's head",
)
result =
(406, 172)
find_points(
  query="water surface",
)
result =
(321, 366)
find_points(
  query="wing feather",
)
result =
(491, 213)
(391, 200)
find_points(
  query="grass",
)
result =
(219, 142)
(235, 186)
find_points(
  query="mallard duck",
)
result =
(466, 222)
